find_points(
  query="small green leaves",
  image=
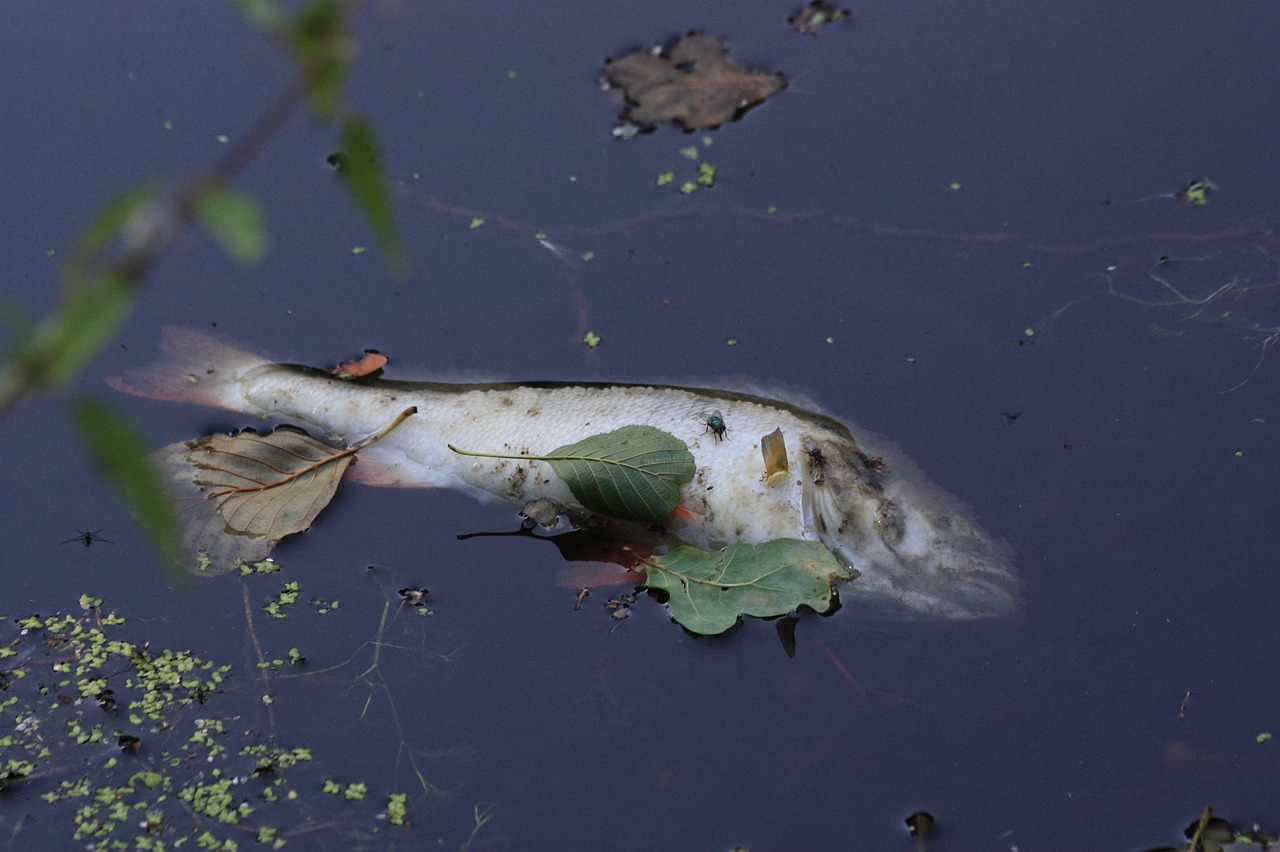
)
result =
(396, 810)
(634, 473)
(236, 221)
(322, 49)
(363, 178)
(708, 591)
(122, 459)
(591, 339)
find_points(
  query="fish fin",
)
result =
(195, 368)
(385, 471)
(594, 574)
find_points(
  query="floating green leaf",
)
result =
(707, 591)
(633, 473)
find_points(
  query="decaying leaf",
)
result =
(368, 365)
(241, 494)
(634, 473)
(707, 591)
(693, 84)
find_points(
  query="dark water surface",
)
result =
(1135, 481)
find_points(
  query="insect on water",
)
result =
(88, 538)
(715, 425)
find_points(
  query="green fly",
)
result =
(715, 425)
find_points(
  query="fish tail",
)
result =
(195, 368)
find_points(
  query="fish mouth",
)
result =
(911, 542)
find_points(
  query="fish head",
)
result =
(912, 543)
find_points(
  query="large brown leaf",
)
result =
(693, 85)
(243, 493)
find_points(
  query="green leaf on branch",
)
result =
(323, 50)
(362, 176)
(122, 215)
(96, 298)
(707, 591)
(264, 14)
(122, 459)
(633, 473)
(235, 220)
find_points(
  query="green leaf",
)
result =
(633, 473)
(363, 179)
(95, 301)
(323, 50)
(264, 14)
(121, 456)
(235, 220)
(110, 224)
(707, 591)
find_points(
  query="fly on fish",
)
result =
(715, 424)
(914, 545)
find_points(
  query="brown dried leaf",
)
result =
(243, 493)
(269, 485)
(693, 85)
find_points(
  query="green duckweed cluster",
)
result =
(124, 741)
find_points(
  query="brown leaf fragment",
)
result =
(370, 364)
(693, 85)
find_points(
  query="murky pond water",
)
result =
(933, 184)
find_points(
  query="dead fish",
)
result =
(913, 544)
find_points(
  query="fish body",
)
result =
(910, 541)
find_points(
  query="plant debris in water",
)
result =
(130, 743)
(692, 85)
(815, 16)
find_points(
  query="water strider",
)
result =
(913, 543)
(88, 538)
